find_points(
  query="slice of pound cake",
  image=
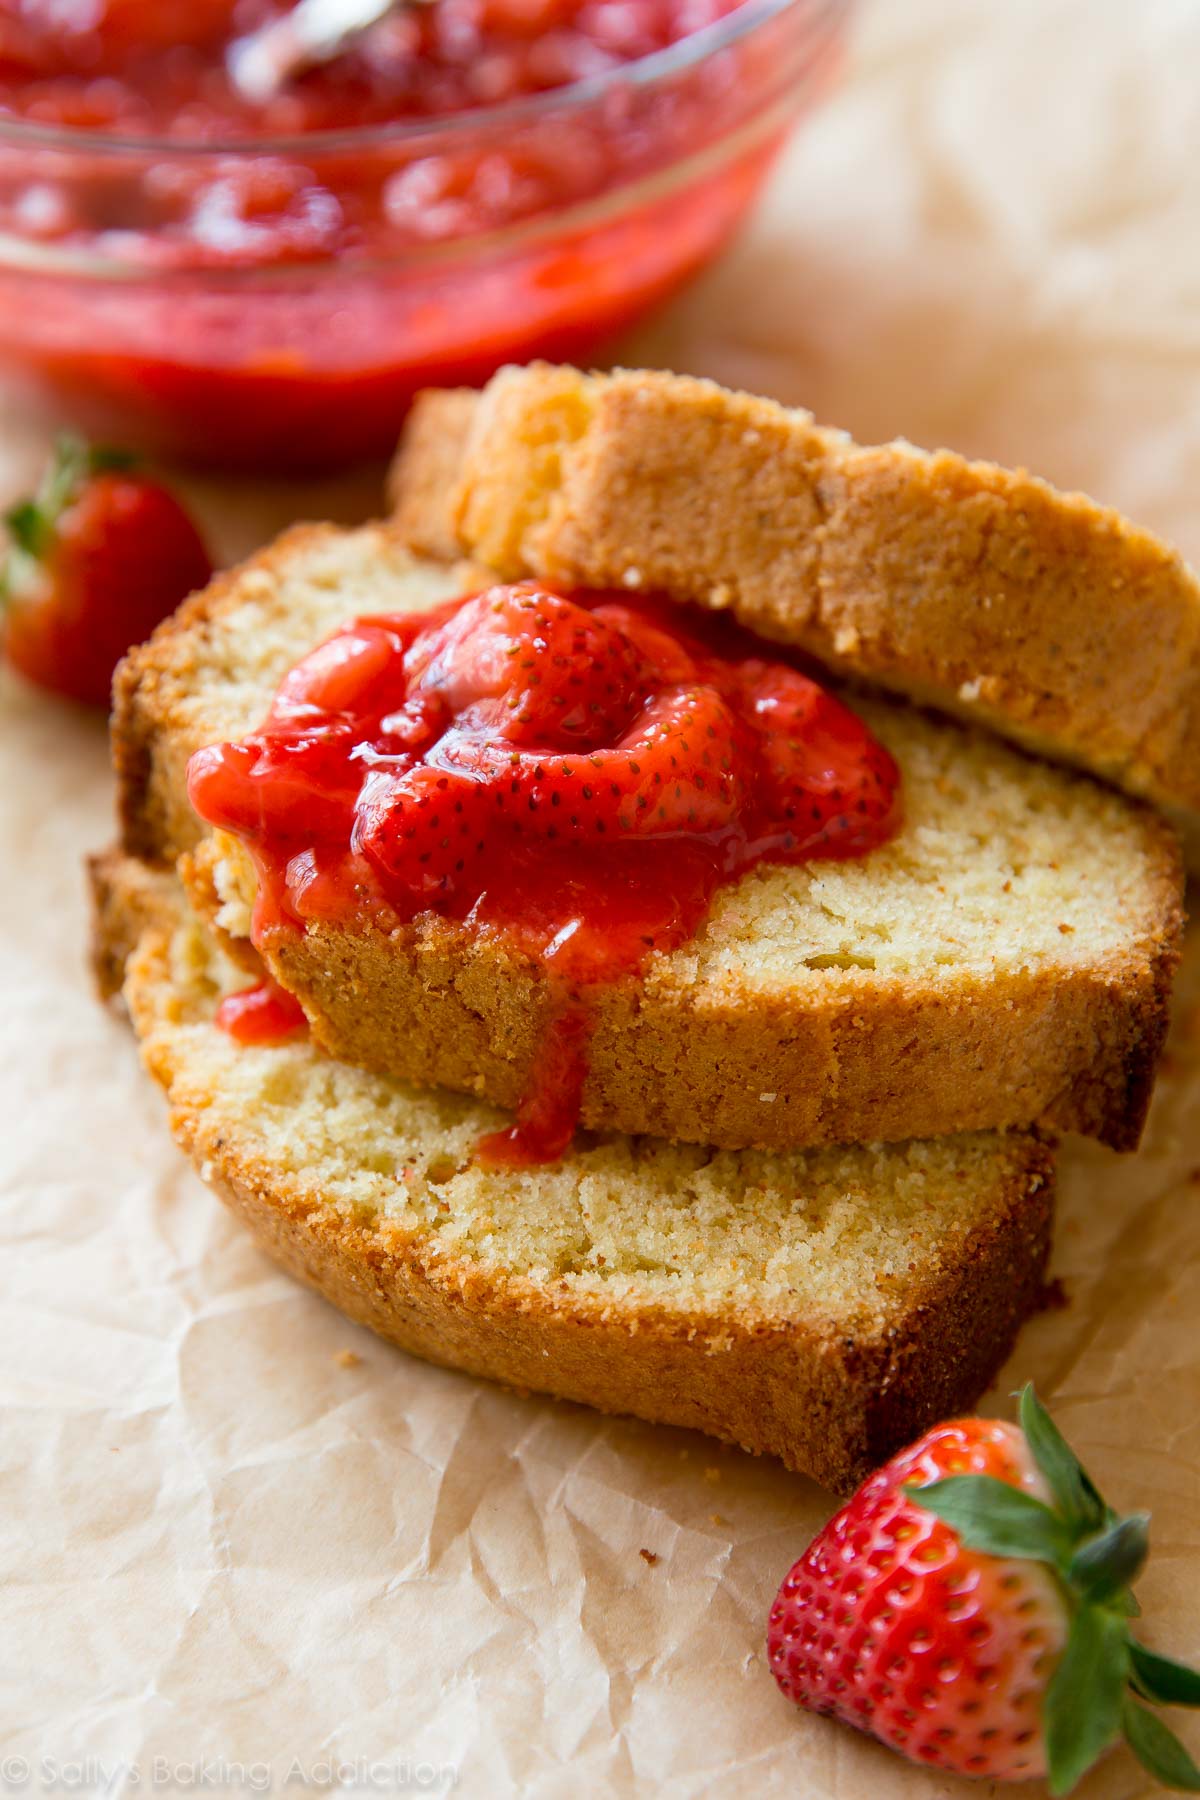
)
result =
(977, 589)
(822, 1307)
(1001, 957)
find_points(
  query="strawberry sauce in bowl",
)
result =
(577, 772)
(266, 283)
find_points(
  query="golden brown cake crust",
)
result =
(831, 1407)
(1073, 1046)
(153, 815)
(831, 1411)
(437, 1006)
(977, 589)
(425, 475)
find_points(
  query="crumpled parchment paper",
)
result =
(247, 1547)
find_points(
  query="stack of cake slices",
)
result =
(810, 1197)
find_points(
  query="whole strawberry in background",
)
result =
(96, 558)
(971, 1607)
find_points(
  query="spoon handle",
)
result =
(261, 64)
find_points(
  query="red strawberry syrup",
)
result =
(262, 1014)
(579, 773)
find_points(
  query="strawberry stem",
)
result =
(995, 1517)
(73, 463)
(1075, 1493)
(1162, 1679)
(1103, 1566)
(1159, 1750)
(26, 526)
(1082, 1708)
(32, 523)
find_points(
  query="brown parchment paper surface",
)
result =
(234, 1558)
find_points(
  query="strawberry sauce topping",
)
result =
(262, 1014)
(578, 773)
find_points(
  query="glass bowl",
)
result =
(274, 303)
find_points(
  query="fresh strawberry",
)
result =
(970, 1607)
(98, 557)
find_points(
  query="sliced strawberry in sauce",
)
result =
(834, 786)
(672, 654)
(528, 667)
(289, 789)
(359, 671)
(673, 774)
(422, 830)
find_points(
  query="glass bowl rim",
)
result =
(644, 71)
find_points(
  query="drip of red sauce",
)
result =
(578, 772)
(262, 1014)
(549, 1111)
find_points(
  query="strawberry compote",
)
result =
(265, 279)
(170, 71)
(578, 772)
(262, 1014)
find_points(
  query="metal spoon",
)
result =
(261, 64)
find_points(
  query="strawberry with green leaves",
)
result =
(971, 1608)
(97, 557)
